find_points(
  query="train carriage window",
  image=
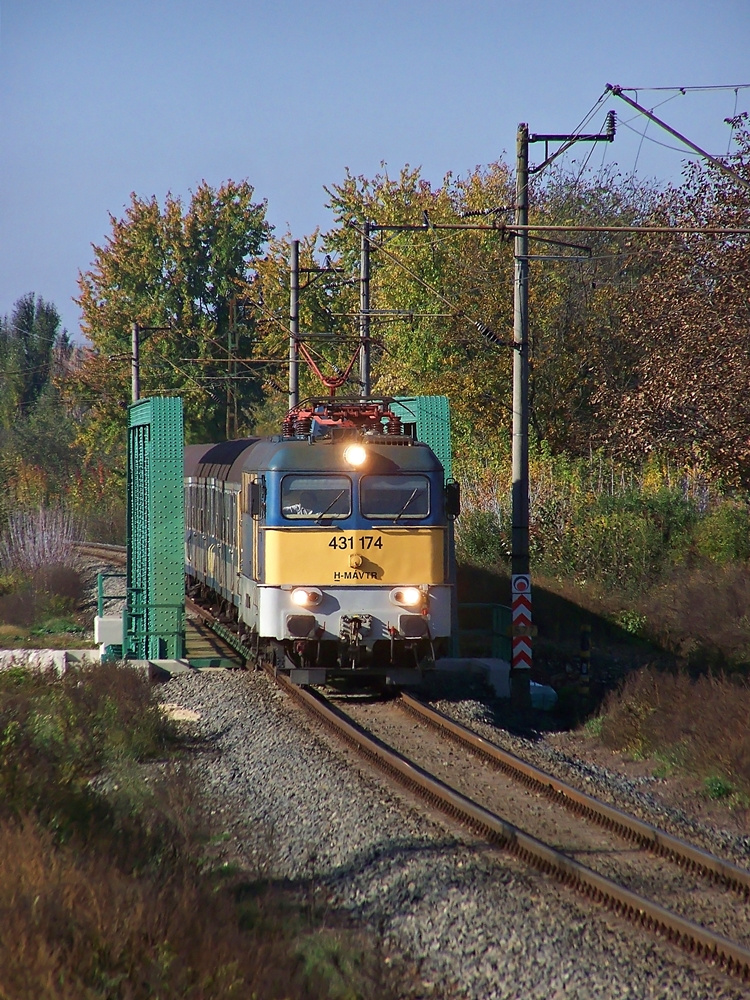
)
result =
(316, 496)
(395, 497)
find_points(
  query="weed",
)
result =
(593, 726)
(632, 622)
(330, 962)
(56, 626)
(718, 787)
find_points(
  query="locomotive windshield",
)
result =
(316, 496)
(395, 497)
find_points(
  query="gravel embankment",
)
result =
(639, 796)
(297, 807)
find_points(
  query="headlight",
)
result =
(408, 597)
(306, 597)
(355, 455)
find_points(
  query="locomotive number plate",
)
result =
(352, 542)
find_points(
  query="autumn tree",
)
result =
(36, 430)
(177, 272)
(435, 290)
(577, 284)
(683, 391)
(31, 343)
(433, 286)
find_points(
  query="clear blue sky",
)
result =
(99, 98)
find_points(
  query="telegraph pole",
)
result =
(522, 626)
(520, 578)
(294, 326)
(135, 363)
(364, 313)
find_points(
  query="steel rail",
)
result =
(114, 553)
(630, 827)
(691, 937)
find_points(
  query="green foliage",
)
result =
(482, 538)
(717, 787)
(614, 546)
(32, 346)
(57, 626)
(723, 534)
(58, 731)
(36, 429)
(593, 726)
(632, 621)
(590, 519)
(182, 275)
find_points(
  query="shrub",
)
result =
(105, 893)
(482, 538)
(18, 607)
(35, 540)
(723, 535)
(57, 732)
(699, 724)
(61, 587)
(619, 547)
(701, 614)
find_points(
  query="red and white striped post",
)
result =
(521, 622)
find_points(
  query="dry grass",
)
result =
(699, 724)
(107, 891)
(702, 614)
(73, 925)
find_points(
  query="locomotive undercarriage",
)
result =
(395, 661)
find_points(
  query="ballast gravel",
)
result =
(636, 796)
(295, 806)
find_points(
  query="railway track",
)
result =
(629, 852)
(107, 553)
(625, 853)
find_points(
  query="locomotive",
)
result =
(331, 544)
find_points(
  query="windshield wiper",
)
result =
(334, 501)
(414, 493)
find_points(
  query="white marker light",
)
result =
(355, 455)
(409, 597)
(305, 597)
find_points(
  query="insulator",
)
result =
(394, 424)
(287, 426)
(303, 426)
(610, 125)
(488, 334)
